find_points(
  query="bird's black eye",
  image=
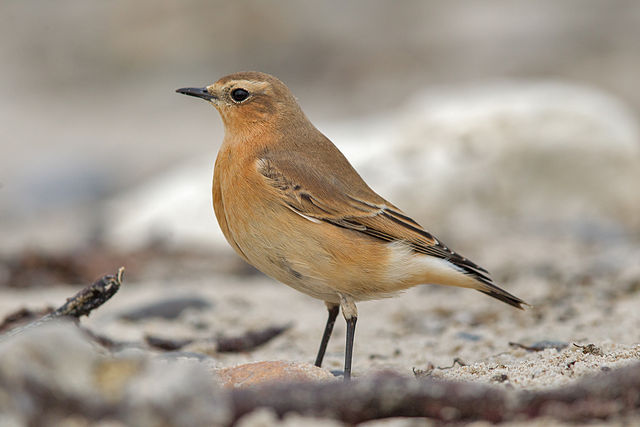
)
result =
(239, 95)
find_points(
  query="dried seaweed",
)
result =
(603, 396)
(83, 302)
(249, 340)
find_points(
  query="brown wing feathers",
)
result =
(381, 222)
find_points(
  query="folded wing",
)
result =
(344, 200)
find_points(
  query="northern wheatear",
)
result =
(290, 204)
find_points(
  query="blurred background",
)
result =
(480, 119)
(509, 129)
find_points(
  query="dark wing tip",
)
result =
(505, 297)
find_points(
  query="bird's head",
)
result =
(249, 99)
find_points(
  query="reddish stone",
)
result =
(257, 373)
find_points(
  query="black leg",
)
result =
(351, 330)
(331, 320)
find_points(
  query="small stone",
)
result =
(468, 336)
(500, 378)
(251, 374)
(590, 349)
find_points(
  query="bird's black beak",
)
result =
(200, 92)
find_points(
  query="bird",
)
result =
(290, 204)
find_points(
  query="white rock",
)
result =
(175, 208)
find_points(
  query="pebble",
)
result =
(257, 373)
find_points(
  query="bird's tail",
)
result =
(504, 296)
(485, 284)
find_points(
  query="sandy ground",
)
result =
(588, 295)
(420, 331)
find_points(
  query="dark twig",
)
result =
(82, 303)
(245, 342)
(377, 397)
(166, 344)
(602, 396)
(249, 340)
(105, 341)
(91, 297)
(456, 360)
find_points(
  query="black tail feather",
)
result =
(489, 288)
(504, 296)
